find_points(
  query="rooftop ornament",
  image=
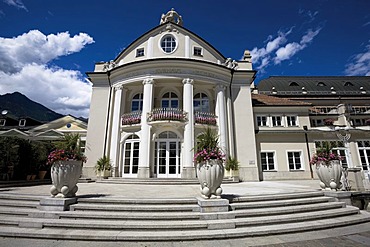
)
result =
(171, 16)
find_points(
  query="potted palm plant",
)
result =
(232, 168)
(103, 167)
(66, 166)
(328, 167)
(209, 160)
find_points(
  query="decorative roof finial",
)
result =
(171, 16)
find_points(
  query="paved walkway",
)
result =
(174, 191)
(358, 235)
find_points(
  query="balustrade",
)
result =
(205, 118)
(131, 118)
(172, 114)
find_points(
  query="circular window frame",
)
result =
(165, 36)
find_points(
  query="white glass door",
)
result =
(131, 158)
(167, 158)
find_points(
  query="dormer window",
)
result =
(2, 122)
(140, 52)
(22, 122)
(168, 43)
(348, 83)
(321, 84)
(198, 51)
(293, 84)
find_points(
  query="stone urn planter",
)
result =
(329, 173)
(209, 160)
(66, 166)
(64, 176)
(210, 174)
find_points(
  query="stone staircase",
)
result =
(116, 218)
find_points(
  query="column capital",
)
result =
(188, 81)
(148, 81)
(220, 87)
(120, 87)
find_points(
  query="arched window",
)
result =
(137, 103)
(170, 100)
(201, 103)
(348, 83)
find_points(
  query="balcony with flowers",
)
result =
(131, 118)
(205, 118)
(167, 114)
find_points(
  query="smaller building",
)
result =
(294, 116)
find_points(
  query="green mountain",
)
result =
(18, 105)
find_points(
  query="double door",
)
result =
(167, 158)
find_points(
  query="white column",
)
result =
(188, 170)
(144, 152)
(118, 107)
(221, 117)
(230, 126)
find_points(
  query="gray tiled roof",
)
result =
(315, 85)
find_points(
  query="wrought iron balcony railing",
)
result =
(171, 114)
(323, 110)
(356, 110)
(205, 118)
(131, 118)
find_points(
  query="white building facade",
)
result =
(149, 104)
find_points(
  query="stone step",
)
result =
(171, 216)
(141, 208)
(20, 197)
(178, 235)
(139, 216)
(278, 203)
(288, 209)
(148, 225)
(10, 210)
(128, 201)
(19, 203)
(271, 197)
(297, 217)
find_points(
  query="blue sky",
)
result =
(47, 46)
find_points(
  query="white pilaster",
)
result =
(187, 46)
(188, 170)
(149, 53)
(144, 152)
(119, 105)
(221, 117)
(230, 123)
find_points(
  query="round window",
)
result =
(168, 43)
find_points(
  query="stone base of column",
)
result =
(115, 172)
(248, 173)
(355, 179)
(56, 204)
(143, 172)
(188, 173)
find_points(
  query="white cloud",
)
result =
(35, 47)
(262, 55)
(360, 64)
(24, 68)
(16, 3)
(290, 49)
(276, 52)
